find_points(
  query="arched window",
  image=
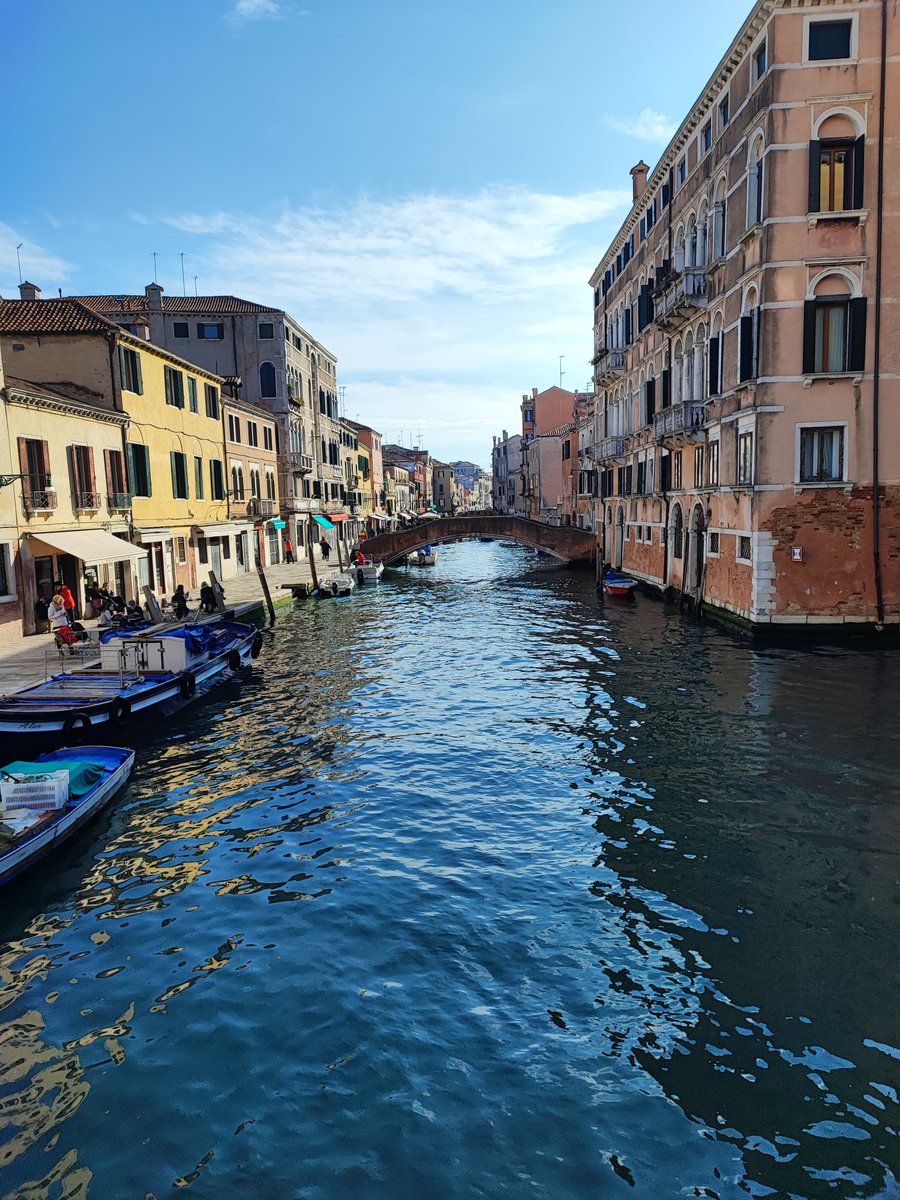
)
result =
(678, 375)
(837, 162)
(678, 250)
(237, 483)
(834, 328)
(698, 393)
(267, 380)
(714, 355)
(677, 532)
(755, 189)
(690, 243)
(687, 390)
(270, 485)
(720, 219)
(702, 235)
(748, 349)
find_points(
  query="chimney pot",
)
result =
(638, 179)
(154, 293)
(29, 291)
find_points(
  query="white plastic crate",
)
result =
(39, 793)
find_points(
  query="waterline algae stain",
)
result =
(476, 888)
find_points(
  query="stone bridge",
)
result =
(564, 542)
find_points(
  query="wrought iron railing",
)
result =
(119, 500)
(87, 500)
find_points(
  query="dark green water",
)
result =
(474, 888)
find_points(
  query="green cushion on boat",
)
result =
(83, 774)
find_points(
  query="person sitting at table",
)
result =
(133, 613)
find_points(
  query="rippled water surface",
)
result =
(476, 888)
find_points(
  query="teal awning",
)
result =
(323, 521)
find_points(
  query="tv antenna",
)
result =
(18, 260)
(561, 371)
(183, 284)
(155, 254)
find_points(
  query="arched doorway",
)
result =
(696, 550)
(620, 538)
(676, 546)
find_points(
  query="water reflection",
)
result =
(476, 887)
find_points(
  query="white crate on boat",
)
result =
(39, 793)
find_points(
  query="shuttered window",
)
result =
(836, 174)
(130, 370)
(139, 469)
(174, 387)
(179, 475)
(834, 335)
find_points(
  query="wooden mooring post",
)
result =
(265, 587)
(310, 550)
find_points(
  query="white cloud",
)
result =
(255, 10)
(647, 126)
(441, 309)
(37, 263)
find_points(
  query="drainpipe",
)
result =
(876, 368)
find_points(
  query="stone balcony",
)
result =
(257, 507)
(611, 447)
(300, 504)
(681, 420)
(608, 365)
(679, 297)
(299, 464)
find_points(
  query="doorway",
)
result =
(620, 539)
(215, 556)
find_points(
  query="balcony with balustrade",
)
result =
(38, 494)
(119, 501)
(611, 447)
(679, 296)
(683, 421)
(299, 464)
(87, 501)
(258, 507)
(608, 364)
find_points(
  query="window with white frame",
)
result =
(755, 182)
(760, 61)
(745, 457)
(830, 40)
(821, 453)
(834, 329)
(712, 543)
(744, 548)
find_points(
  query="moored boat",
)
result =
(372, 570)
(618, 585)
(136, 675)
(46, 801)
(338, 583)
(426, 557)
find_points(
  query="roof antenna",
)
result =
(155, 257)
(183, 284)
(18, 260)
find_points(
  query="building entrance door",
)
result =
(215, 557)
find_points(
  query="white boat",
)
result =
(372, 570)
(338, 583)
(91, 776)
(426, 557)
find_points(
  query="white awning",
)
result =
(223, 529)
(90, 545)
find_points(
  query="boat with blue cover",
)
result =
(137, 674)
(47, 800)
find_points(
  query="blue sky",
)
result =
(425, 187)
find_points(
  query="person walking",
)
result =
(288, 550)
(179, 603)
(68, 600)
(325, 548)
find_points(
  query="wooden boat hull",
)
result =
(71, 708)
(619, 587)
(30, 850)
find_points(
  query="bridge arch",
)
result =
(566, 543)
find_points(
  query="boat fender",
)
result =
(119, 711)
(256, 646)
(76, 728)
(334, 589)
(234, 660)
(188, 684)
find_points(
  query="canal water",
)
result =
(475, 887)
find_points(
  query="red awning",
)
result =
(337, 517)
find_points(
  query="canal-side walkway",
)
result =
(26, 660)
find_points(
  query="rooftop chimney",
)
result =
(29, 291)
(638, 179)
(154, 297)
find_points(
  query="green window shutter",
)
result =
(174, 473)
(139, 378)
(856, 353)
(146, 454)
(809, 337)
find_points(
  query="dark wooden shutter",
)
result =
(755, 320)
(713, 367)
(666, 387)
(745, 360)
(23, 467)
(643, 319)
(859, 167)
(651, 400)
(856, 350)
(45, 466)
(809, 337)
(111, 488)
(92, 474)
(815, 150)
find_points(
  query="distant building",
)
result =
(445, 494)
(507, 484)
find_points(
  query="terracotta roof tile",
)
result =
(51, 316)
(121, 305)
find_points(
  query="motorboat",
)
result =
(337, 584)
(615, 584)
(156, 670)
(426, 557)
(46, 801)
(371, 570)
